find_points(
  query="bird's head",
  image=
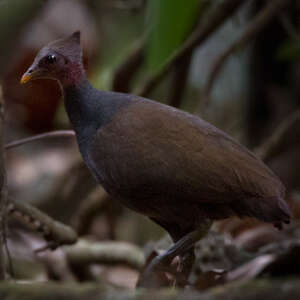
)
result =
(60, 60)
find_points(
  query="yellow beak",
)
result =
(32, 73)
(25, 78)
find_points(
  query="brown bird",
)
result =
(169, 165)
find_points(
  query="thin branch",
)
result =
(94, 205)
(274, 144)
(104, 252)
(179, 80)
(126, 71)
(54, 232)
(97, 203)
(69, 191)
(56, 266)
(288, 26)
(218, 16)
(3, 196)
(4, 229)
(46, 135)
(252, 30)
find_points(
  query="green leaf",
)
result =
(171, 21)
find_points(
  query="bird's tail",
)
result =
(270, 209)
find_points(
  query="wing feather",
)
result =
(153, 149)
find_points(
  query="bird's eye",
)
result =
(51, 59)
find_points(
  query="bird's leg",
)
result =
(161, 262)
(187, 261)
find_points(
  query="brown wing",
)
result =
(152, 149)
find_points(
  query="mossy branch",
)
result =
(105, 252)
(54, 232)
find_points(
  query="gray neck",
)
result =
(82, 107)
(89, 109)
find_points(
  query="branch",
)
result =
(69, 192)
(3, 196)
(95, 204)
(125, 72)
(289, 27)
(254, 28)
(179, 81)
(274, 144)
(46, 135)
(217, 17)
(258, 289)
(85, 253)
(56, 233)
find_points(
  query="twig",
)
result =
(219, 15)
(11, 271)
(69, 191)
(288, 26)
(56, 266)
(95, 204)
(84, 253)
(254, 28)
(46, 135)
(125, 72)
(274, 144)
(179, 81)
(54, 232)
(3, 197)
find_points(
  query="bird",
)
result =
(169, 165)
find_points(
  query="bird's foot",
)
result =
(159, 265)
(162, 272)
